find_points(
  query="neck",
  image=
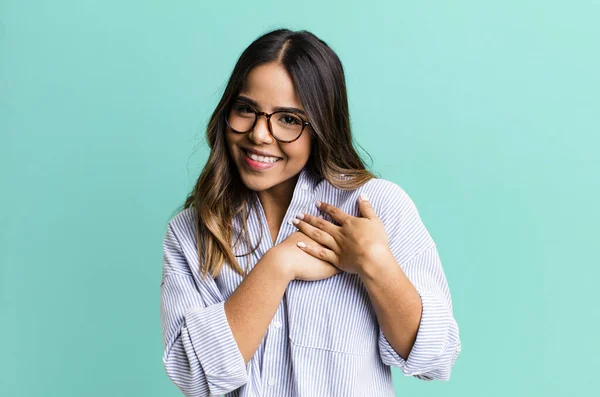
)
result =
(276, 200)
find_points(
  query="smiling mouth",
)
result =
(249, 153)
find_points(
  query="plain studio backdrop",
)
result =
(485, 113)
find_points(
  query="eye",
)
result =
(242, 108)
(289, 119)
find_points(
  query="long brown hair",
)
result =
(318, 77)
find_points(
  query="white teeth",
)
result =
(262, 159)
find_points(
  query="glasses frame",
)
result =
(257, 114)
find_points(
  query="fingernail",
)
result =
(301, 244)
(364, 197)
(318, 204)
(295, 221)
(300, 216)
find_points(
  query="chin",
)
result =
(261, 181)
(257, 183)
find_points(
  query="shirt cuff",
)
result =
(431, 356)
(216, 348)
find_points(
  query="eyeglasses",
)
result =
(287, 126)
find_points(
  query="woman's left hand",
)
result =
(350, 246)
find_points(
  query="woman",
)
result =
(277, 279)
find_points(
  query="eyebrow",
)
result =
(275, 109)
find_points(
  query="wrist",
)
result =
(376, 264)
(281, 268)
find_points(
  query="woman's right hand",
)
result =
(299, 264)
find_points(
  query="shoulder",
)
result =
(179, 244)
(399, 214)
(184, 225)
(386, 195)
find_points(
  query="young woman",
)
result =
(292, 270)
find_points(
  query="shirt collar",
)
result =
(307, 180)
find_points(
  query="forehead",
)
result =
(270, 85)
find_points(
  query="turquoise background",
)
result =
(486, 113)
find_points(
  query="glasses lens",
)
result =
(286, 126)
(241, 117)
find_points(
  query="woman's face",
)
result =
(269, 86)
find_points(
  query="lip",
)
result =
(259, 152)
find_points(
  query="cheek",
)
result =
(300, 151)
(231, 140)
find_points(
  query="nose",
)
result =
(260, 133)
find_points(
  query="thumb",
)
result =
(366, 210)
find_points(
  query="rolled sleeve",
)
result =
(209, 333)
(436, 347)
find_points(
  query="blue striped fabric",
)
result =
(324, 339)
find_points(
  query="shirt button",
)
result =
(271, 382)
(304, 186)
(277, 324)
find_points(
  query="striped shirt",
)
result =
(324, 339)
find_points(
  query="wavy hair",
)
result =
(219, 194)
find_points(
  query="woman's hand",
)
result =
(301, 265)
(354, 243)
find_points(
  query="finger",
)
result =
(319, 252)
(315, 232)
(334, 213)
(320, 223)
(365, 207)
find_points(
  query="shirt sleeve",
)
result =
(200, 354)
(437, 345)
